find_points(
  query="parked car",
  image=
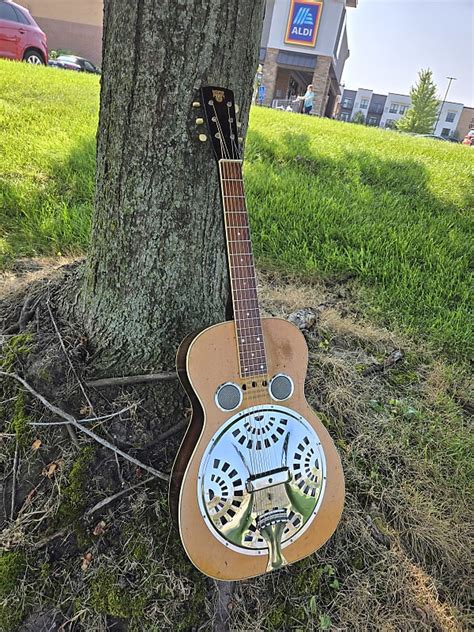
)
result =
(72, 62)
(449, 139)
(469, 138)
(20, 37)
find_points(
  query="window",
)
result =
(88, 66)
(445, 131)
(372, 120)
(364, 104)
(403, 109)
(393, 108)
(346, 102)
(7, 12)
(20, 17)
(450, 117)
(344, 116)
(376, 108)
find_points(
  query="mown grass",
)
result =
(48, 123)
(325, 198)
(391, 210)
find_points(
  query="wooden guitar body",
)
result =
(223, 482)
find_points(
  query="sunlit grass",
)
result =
(393, 211)
(48, 121)
(325, 198)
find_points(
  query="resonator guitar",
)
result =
(257, 482)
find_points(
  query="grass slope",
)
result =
(48, 122)
(324, 197)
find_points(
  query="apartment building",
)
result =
(385, 110)
(465, 123)
(303, 42)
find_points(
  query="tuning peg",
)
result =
(241, 140)
(196, 104)
(239, 125)
(237, 109)
(202, 138)
(199, 121)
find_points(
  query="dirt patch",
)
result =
(398, 561)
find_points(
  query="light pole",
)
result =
(451, 79)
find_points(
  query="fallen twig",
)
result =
(168, 433)
(63, 347)
(83, 421)
(58, 534)
(132, 379)
(73, 421)
(109, 499)
(15, 465)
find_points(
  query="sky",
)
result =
(390, 41)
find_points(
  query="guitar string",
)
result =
(263, 456)
(225, 152)
(236, 187)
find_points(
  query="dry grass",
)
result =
(399, 561)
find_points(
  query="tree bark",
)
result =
(157, 265)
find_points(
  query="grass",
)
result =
(325, 198)
(48, 123)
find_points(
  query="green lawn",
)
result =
(325, 198)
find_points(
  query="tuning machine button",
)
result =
(202, 138)
(239, 125)
(241, 140)
(196, 104)
(237, 109)
(199, 121)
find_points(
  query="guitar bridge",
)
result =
(270, 478)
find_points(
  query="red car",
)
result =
(20, 37)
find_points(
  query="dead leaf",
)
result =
(51, 468)
(86, 411)
(30, 496)
(99, 528)
(36, 444)
(86, 561)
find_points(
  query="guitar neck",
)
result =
(248, 324)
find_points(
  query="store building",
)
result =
(385, 110)
(304, 42)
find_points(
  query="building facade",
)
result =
(304, 42)
(70, 25)
(385, 110)
(465, 123)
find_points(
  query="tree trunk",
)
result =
(157, 266)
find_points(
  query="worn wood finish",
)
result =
(212, 360)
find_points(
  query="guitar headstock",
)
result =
(218, 105)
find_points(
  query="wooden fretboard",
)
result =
(248, 325)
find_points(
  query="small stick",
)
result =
(73, 421)
(83, 421)
(168, 433)
(132, 379)
(67, 356)
(109, 499)
(15, 465)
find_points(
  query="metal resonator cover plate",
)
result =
(254, 442)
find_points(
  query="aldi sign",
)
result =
(303, 22)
